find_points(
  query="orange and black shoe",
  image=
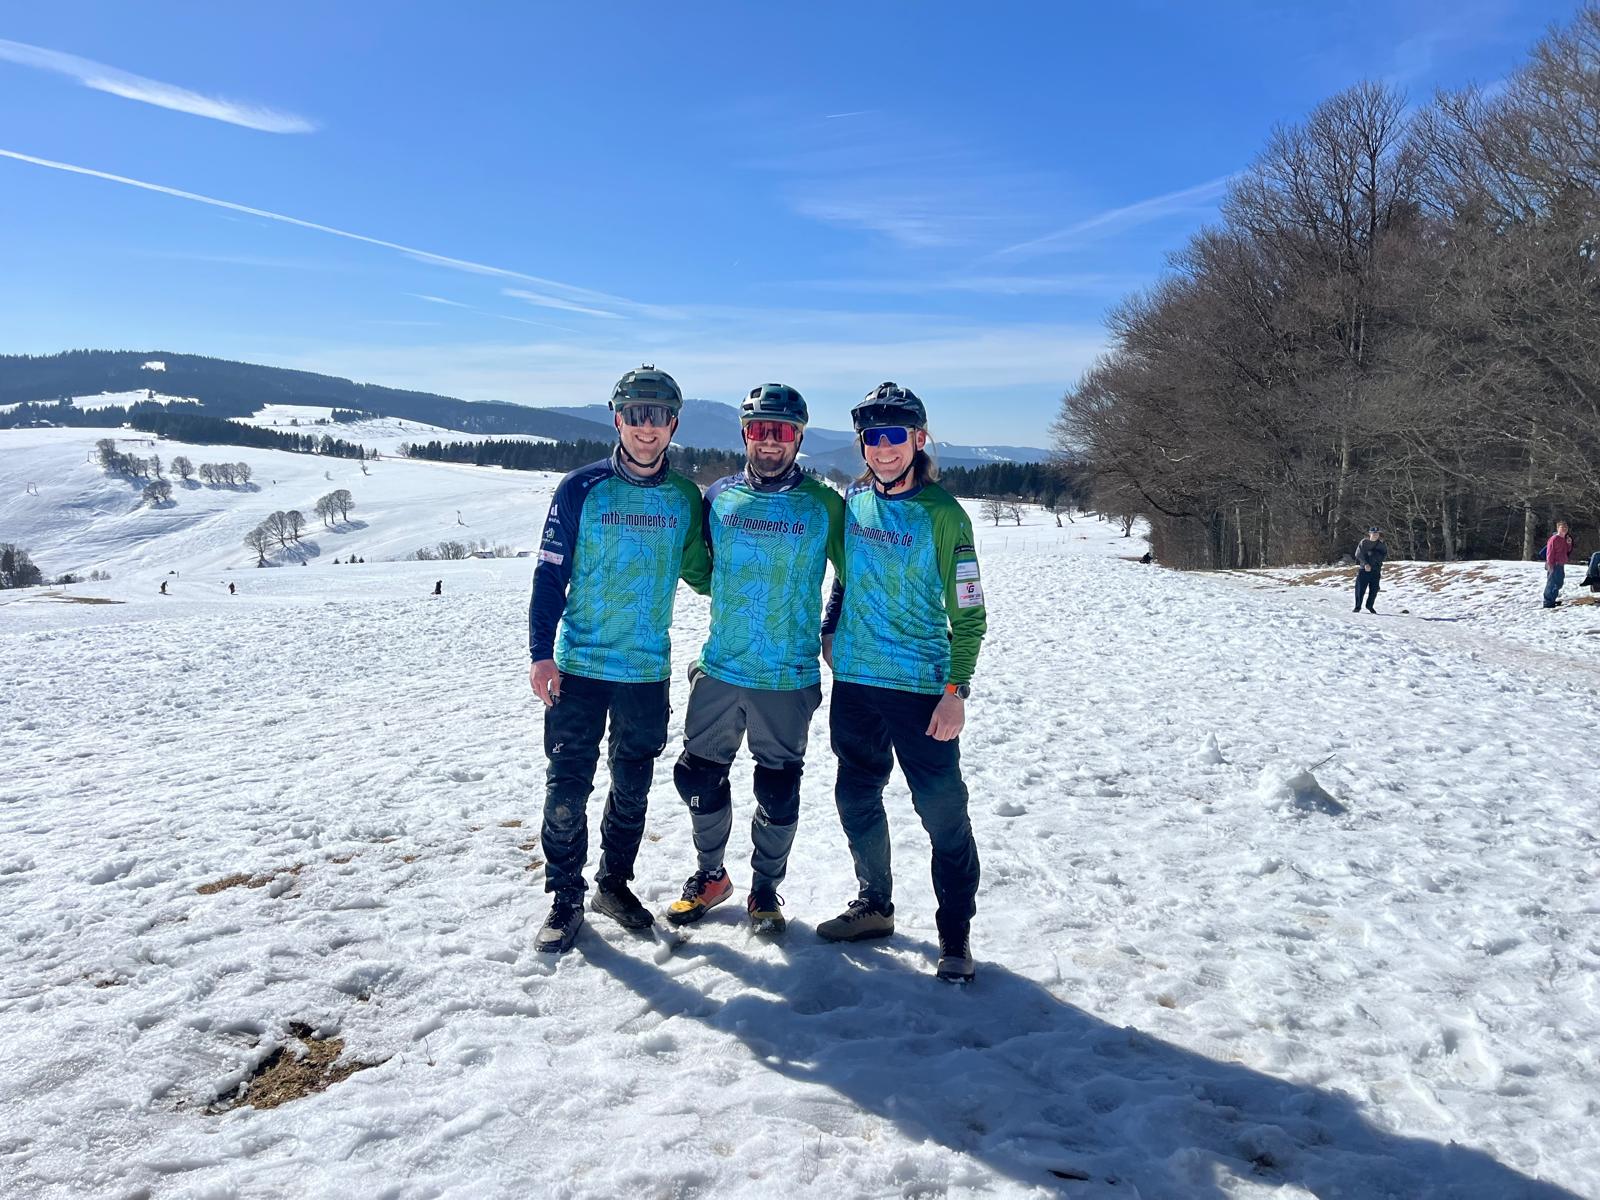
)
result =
(765, 912)
(703, 892)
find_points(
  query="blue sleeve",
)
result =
(554, 569)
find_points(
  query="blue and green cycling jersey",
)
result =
(770, 548)
(910, 613)
(613, 549)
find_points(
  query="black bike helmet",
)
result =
(774, 402)
(889, 404)
(647, 386)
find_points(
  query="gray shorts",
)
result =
(721, 714)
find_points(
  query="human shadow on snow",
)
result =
(1041, 1091)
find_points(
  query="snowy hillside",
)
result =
(1278, 902)
(77, 518)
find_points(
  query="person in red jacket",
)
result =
(1557, 552)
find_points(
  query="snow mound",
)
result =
(1296, 788)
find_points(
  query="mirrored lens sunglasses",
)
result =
(770, 431)
(658, 415)
(891, 435)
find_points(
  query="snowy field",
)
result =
(72, 517)
(1278, 901)
(123, 399)
(383, 434)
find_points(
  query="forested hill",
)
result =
(236, 389)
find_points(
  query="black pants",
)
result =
(572, 729)
(1367, 585)
(871, 728)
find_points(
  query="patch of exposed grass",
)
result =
(285, 1075)
(223, 884)
(510, 824)
(243, 880)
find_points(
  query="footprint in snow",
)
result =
(1009, 808)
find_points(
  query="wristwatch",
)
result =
(959, 690)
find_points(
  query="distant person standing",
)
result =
(438, 587)
(619, 535)
(1557, 553)
(1370, 553)
(163, 587)
(231, 589)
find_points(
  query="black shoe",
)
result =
(1357, 608)
(1372, 610)
(955, 957)
(561, 927)
(860, 920)
(616, 901)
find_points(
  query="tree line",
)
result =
(1393, 323)
(283, 528)
(702, 466)
(196, 429)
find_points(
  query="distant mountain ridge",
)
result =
(227, 388)
(712, 425)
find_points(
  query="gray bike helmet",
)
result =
(647, 386)
(889, 404)
(774, 402)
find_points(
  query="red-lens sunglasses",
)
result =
(770, 431)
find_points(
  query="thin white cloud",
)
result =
(1154, 209)
(472, 308)
(1088, 284)
(552, 302)
(459, 264)
(129, 86)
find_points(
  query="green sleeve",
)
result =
(696, 569)
(963, 588)
(834, 504)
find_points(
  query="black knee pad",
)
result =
(778, 792)
(703, 784)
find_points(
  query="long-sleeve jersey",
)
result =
(910, 614)
(770, 549)
(613, 549)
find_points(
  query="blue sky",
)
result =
(519, 202)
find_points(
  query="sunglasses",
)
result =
(885, 435)
(658, 415)
(770, 431)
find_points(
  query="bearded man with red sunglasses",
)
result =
(772, 530)
(901, 635)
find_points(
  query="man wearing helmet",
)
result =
(619, 534)
(902, 637)
(772, 530)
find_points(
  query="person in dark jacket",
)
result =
(1591, 580)
(1557, 553)
(1370, 553)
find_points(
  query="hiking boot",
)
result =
(955, 957)
(561, 927)
(703, 892)
(616, 901)
(765, 916)
(1372, 610)
(860, 919)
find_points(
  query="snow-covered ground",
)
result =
(75, 518)
(1202, 975)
